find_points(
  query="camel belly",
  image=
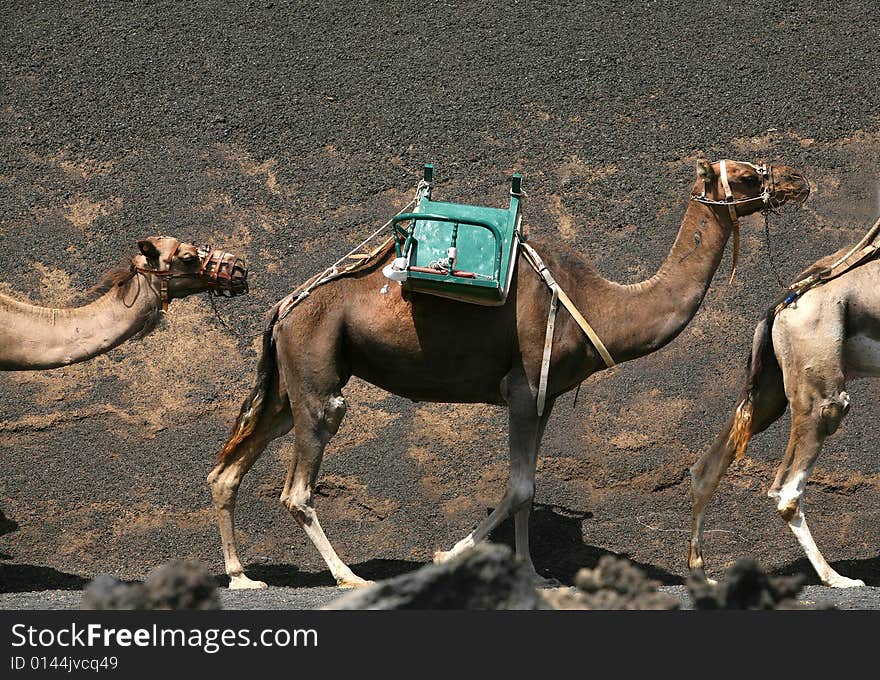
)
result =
(443, 376)
(862, 356)
(427, 348)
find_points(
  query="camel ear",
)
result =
(148, 249)
(705, 171)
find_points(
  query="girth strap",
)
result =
(548, 348)
(558, 295)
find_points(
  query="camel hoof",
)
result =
(353, 581)
(838, 581)
(242, 582)
(541, 582)
(442, 556)
(698, 573)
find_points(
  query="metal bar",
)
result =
(432, 217)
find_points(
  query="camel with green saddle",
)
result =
(134, 296)
(395, 331)
(824, 331)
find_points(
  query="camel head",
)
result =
(184, 269)
(748, 188)
(740, 188)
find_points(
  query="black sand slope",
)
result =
(286, 132)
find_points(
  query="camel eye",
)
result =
(751, 179)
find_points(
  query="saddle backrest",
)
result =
(465, 252)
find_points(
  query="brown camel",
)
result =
(412, 345)
(34, 338)
(803, 352)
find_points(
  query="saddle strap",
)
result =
(866, 249)
(734, 220)
(548, 349)
(559, 295)
(360, 261)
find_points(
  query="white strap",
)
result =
(734, 219)
(548, 348)
(558, 295)
(538, 265)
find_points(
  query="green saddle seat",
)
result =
(454, 250)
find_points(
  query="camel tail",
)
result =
(252, 408)
(762, 368)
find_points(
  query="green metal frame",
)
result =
(433, 217)
(426, 240)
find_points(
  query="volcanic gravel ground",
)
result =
(317, 597)
(287, 132)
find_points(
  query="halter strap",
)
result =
(766, 173)
(164, 275)
(734, 218)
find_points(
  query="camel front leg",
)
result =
(521, 517)
(525, 431)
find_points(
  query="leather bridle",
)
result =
(765, 172)
(225, 274)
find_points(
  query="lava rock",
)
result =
(746, 586)
(175, 585)
(615, 583)
(487, 577)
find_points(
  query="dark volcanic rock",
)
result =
(615, 583)
(746, 586)
(109, 592)
(487, 577)
(175, 585)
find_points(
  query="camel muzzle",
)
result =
(225, 273)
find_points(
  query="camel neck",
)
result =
(35, 338)
(664, 304)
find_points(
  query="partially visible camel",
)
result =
(802, 355)
(34, 338)
(429, 348)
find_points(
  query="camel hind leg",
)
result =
(236, 458)
(810, 351)
(762, 402)
(318, 416)
(315, 379)
(767, 405)
(809, 428)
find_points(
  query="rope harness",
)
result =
(861, 252)
(360, 260)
